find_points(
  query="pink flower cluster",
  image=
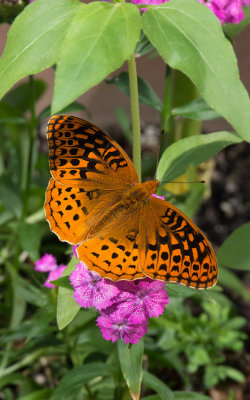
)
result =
(124, 306)
(228, 11)
(48, 263)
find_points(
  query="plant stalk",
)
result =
(135, 114)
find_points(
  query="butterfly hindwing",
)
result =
(113, 251)
(172, 248)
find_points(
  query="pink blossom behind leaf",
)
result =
(228, 11)
(53, 275)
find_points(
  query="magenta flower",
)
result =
(228, 11)
(91, 289)
(53, 275)
(124, 306)
(142, 299)
(115, 326)
(46, 263)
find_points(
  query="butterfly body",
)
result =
(94, 200)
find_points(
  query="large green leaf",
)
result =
(131, 366)
(189, 38)
(67, 307)
(235, 251)
(101, 37)
(34, 39)
(192, 150)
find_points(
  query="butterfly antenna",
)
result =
(158, 153)
(183, 182)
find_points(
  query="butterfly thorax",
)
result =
(140, 193)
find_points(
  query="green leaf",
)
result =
(62, 282)
(101, 37)
(73, 380)
(229, 280)
(147, 95)
(196, 109)
(19, 97)
(29, 51)
(75, 106)
(157, 385)
(37, 395)
(235, 374)
(67, 307)
(131, 366)
(11, 379)
(184, 33)
(190, 396)
(143, 46)
(30, 238)
(9, 197)
(235, 251)
(192, 150)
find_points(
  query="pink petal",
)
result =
(46, 263)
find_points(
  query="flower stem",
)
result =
(166, 109)
(135, 114)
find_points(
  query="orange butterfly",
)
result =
(94, 199)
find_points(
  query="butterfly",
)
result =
(95, 200)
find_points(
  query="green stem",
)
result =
(166, 109)
(135, 115)
(32, 134)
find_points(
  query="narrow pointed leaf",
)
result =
(196, 109)
(74, 380)
(131, 366)
(101, 37)
(67, 307)
(158, 386)
(189, 37)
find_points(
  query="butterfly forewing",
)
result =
(90, 171)
(80, 153)
(173, 248)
